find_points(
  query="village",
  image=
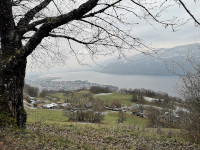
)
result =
(87, 102)
(52, 84)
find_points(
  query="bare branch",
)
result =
(74, 39)
(32, 26)
(101, 10)
(154, 17)
(47, 27)
(187, 10)
(31, 13)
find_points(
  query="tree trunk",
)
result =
(11, 96)
(11, 75)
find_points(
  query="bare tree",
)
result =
(25, 25)
(189, 89)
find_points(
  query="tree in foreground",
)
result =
(189, 89)
(26, 26)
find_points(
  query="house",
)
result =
(50, 106)
(149, 99)
(116, 109)
(65, 104)
(33, 98)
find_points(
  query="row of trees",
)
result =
(34, 91)
(97, 89)
(163, 99)
(149, 93)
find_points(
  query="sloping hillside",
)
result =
(163, 62)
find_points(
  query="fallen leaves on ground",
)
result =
(49, 137)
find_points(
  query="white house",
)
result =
(50, 106)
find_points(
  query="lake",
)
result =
(157, 83)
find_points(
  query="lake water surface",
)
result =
(157, 83)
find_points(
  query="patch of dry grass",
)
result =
(49, 135)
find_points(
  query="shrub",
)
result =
(121, 117)
(134, 98)
(85, 109)
(116, 104)
(161, 118)
(85, 116)
(191, 126)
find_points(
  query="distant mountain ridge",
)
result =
(164, 63)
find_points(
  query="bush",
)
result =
(141, 100)
(31, 91)
(138, 99)
(116, 104)
(191, 126)
(134, 98)
(161, 118)
(85, 116)
(121, 117)
(98, 105)
(85, 108)
(154, 116)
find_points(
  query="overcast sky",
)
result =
(158, 36)
(163, 37)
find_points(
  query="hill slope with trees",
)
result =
(162, 62)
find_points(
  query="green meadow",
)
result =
(124, 99)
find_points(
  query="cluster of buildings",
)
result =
(66, 85)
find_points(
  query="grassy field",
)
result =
(60, 96)
(50, 129)
(63, 97)
(112, 117)
(66, 135)
(35, 115)
(125, 99)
